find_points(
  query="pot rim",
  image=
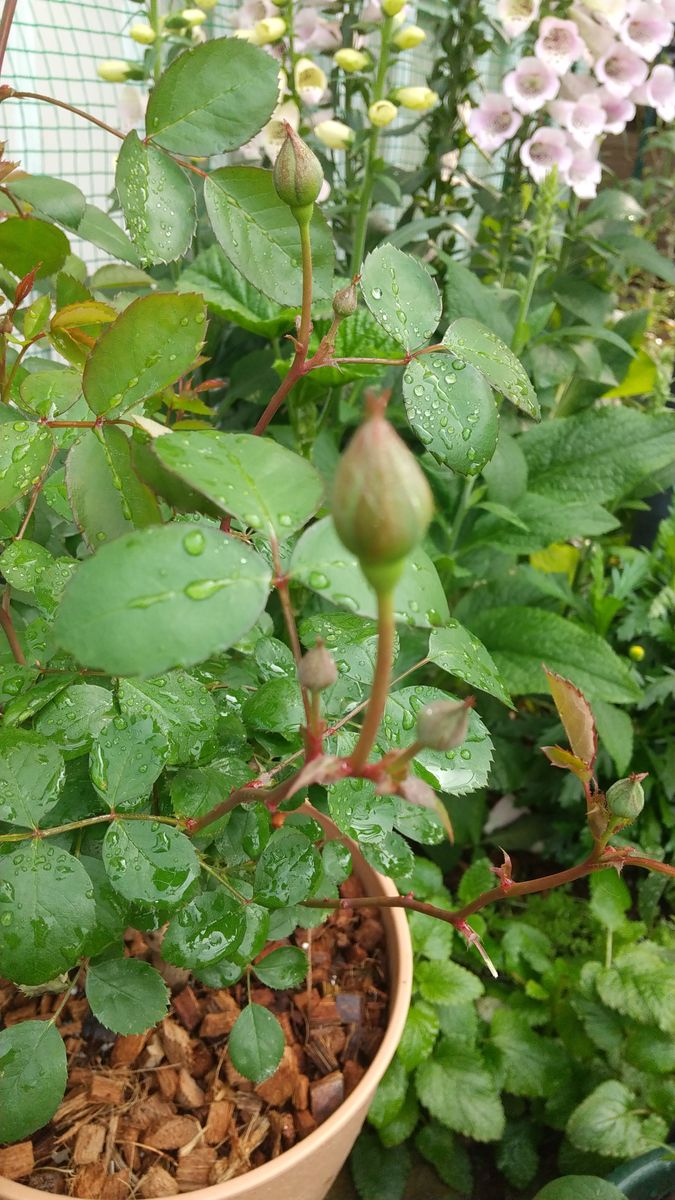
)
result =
(400, 961)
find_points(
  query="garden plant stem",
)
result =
(386, 630)
(371, 153)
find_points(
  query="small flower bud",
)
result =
(636, 652)
(444, 724)
(113, 70)
(193, 16)
(142, 33)
(408, 37)
(297, 174)
(271, 29)
(381, 113)
(382, 503)
(334, 134)
(417, 98)
(351, 60)
(345, 301)
(391, 8)
(625, 798)
(207, 5)
(317, 670)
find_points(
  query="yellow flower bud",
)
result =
(113, 70)
(310, 81)
(636, 652)
(271, 29)
(390, 8)
(408, 37)
(382, 112)
(193, 16)
(207, 5)
(418, 98)
(142, 33)
(350, 60)
(244, 35)
(334, 134)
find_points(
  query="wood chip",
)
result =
(116, 1187)
(157, 1182)
(52, 1182)
(194, 1170)
(172, 1134)
(326, 1095)
(218, 1121)
(127, 1048)
(17, 1161)
(304, 1123)
(151, 1111)
(177, 1044)
(187, 1009)
(217, 1024)
(88, 1182)
(301, 1092)
(278, 1089)
(352, 1073)
(225, 1002)
(188, 1093)
(167, 1082)
(88, 1144)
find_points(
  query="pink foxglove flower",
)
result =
(646, 30)
(621, 70)
(596, 34)
(546, 149)
(619, 111)
(313, 32)
(612, 11)
(583, 174)
(668, 8)
(531, 85)
(559, 44)
(493, 122)
(585, 119)
(516, 16)
(250, 12)
(660, 91)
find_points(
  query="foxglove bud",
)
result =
(334, 134)
(351, 60)
(408, 37)
(297, 174)
(193, 16)
(317, 670)
(419, 99)
(381, 113)
(345, 301)
(444, 724)
(625, 798)
(269, 30)
(382, 503)
(142, 33)
(391, 8)
(207, 5)
(113, 70)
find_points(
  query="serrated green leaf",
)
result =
(180, 707)
(401, 295)
(231, 296)
(482, 349)
(530, 1064)
(126, 995)
(150, 345)
(211, 927)
(460, 1092)
(268, 488)
(127, 757)
(285, 967)
(158, 201)
(517, 1156)
(164, 597)
(447, 983)
(256, 1043)
(106, 496)
(32, 772)
(458, 652)
(25, 452)
(33, 1076)
(452, 412)
(390, 1095)
(640, 984)
(30, 243)
(450, 1158)
(419, 1034)
(149, 862)
(112, 913)
(610, 898)
(100, 229)
(53, 198)
(651, 1049)
(287, 871)
(50, 393)
(74, 716)
(213, 98)
(379, 1173)
(46, 912)
(458, 771)
(607, 1122)
(579, 1187)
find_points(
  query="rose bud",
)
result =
(345, 301)
(317, 670)
(382, 503)
(298, 175)
(625, 798)
(444, 724)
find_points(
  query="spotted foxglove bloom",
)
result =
(493, 122)
(583, 174)
(646, 30)
(310, 81)
(598, 37)
(660, 91)
(546, 149)
(531, 85)
(585, 119)
(621, 70)
(313, 32)
(559, 44)
(515, 16)
(619, 111)
(250, 12)
(668, 8)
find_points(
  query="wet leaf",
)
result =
(452, 410)
(256, 1043)
(127, 756)
(126, 995)
(53, 198)
(455, 772)
(231, 296)
(29, 243)
(285, 967)
(482, 349)
(50, 393)
(100, 229)
(106, 496)
(32, 772)
(157, 199)
(401, 295)
(181, 707)
(33, 1076)
(458, 652)
(288, 870)
(112, 913)
(211, 927)
(74, 717)
(25, 451)
(149, 862)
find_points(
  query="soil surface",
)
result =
(165, 1112)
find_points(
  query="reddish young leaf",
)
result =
(568, 762)
(576, 716)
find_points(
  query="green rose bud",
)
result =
(317, 670)
(444, 724)
(382, 503)
(345, 301)
(298, 175)
(626, 798)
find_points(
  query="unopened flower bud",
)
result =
(636, 652)
(113, 70)
(317, 670)
(408, 37)
(390, 8)
(142, 33)
(193, 16)
(207, 5)
(381, 113)
(444, 724)
(297, 174)
(345, 301)
(271, 29)
(417, 98)
(625, 798)
(351, 60)
(382, 503)
(334, 134)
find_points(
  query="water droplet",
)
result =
(202, 589)
(318, 580)
(194, 542)
(376, 293)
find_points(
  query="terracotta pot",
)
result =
(307, 1170)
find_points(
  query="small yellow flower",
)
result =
(142, 33)
(193, 16)
(334, 134)
(636, 652)
(408, 37)
(271, 29)
(382, 113)
(113, 70)
(350, 60)
(390, 8)
(420, 99)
